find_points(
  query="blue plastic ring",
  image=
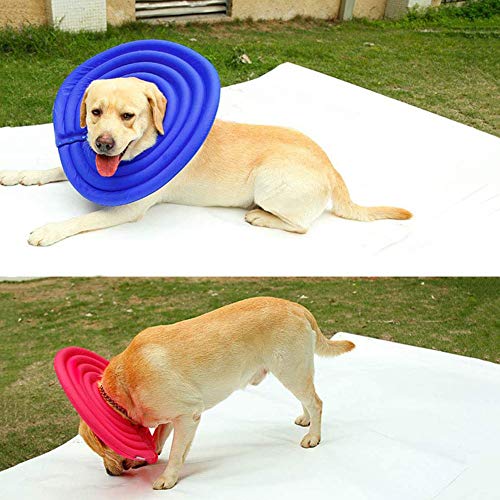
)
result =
(192, 88)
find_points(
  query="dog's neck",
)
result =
(113, 404)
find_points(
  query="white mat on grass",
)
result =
(399, 422)
(389, 153)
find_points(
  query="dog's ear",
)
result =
(158, 105)
(83, 109)
(92, 441)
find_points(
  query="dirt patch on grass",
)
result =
(31, 291)
(54, 419)
(37, 373)
(462, 332)
(386, 336)
(57, 288)
(97, 325)
(37, 290)
(222, 29)
(135, 300)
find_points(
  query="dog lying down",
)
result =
(169, 375)
(283, 178)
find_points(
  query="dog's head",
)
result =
(123, 117)
(114, 464)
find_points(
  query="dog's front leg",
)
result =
(31, 177)
(161, 435)
(107, 217)
(184, 430)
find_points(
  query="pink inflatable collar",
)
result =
(79, 372)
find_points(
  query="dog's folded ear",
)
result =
(83, 109)
(158, 104)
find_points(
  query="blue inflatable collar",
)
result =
(192, 88)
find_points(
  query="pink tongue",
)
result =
(107, 165)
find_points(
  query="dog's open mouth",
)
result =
(108, 165)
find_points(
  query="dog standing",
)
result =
(169, 375)
(282, 177)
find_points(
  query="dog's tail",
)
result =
(325, 347)
(344, 207)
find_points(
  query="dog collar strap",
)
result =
(191, 86)
(70, 139)
(79, 371)
(112, 402)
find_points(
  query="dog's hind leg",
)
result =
(107, 217)
(295, 370)
(184, 430)
(312, 406)
(259, 217)
(286, 200)
(31, 177)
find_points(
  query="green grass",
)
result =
(457, 315)
(448, 65)
(470, 9)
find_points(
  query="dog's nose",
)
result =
(104, 143)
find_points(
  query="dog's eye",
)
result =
(96, 112)
(127, 116)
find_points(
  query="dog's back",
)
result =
(216, 353)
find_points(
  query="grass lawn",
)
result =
(450, 67)
(457, 315)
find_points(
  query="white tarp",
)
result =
(399, 422)
(388, 152)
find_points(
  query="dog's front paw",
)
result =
(47, 235)
(32, 178)
(10, 177)
(29, 177)
(310, 440)
(165, 482)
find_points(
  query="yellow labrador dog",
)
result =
(283, 178)
(169, 375)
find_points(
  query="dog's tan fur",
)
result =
(282, 177)
(169, 375)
